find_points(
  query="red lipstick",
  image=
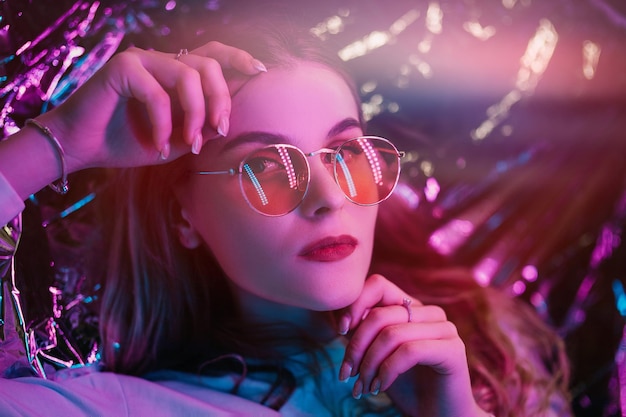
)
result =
(330, 249)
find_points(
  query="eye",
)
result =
(264, 165)
(349, 151)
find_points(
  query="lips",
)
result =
(330, 249)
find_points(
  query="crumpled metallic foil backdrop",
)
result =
(513, 113)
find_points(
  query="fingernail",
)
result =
(258, 65)
(223, 126)
(375, 387)
(345, 371)
(165, 152)
(197, 144)
(357, 391)
(344, 324)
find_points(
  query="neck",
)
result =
(258, 311)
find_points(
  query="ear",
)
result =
(187, 233)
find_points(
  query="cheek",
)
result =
(228, 226)
(215, 197)
(365, 218)
(252, 255)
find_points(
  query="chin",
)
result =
(337, 299)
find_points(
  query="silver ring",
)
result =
(180, 53)
(406, 303)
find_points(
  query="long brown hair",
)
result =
(166, 306)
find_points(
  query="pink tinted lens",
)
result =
(367, 169)
(274, 179)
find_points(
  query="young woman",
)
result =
(239, 280)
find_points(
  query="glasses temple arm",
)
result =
(229, 172)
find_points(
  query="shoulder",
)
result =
(105, 393)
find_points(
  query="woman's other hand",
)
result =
(407, 349)
(145, 107)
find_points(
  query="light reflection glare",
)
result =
(478, 31)
(421, 66)
(410, 197)
(591, 56)
(485, 270)
(370, 109)
(518, 287)
(449, 237)
(427, 168)
(530, 274)
(23, 48)
(170, 5)
(393, 107)
(376, 104)
(425, 45)
(377, 99)
(434, 18)
(534, 63)
(73, 53)
(509, 4)
(539, 302)
(432, 189)
(332, 25)
(377, 39)
(537, 56)
(369, 86)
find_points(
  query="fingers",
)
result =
(196, 80)
(389, 325)
(389, 336)
(206, 63)
(382, 333)
(377, 291)
(131, 79)
(397, 348)
(443, 355)
(188, 82)
(230, 57)
(215, 90)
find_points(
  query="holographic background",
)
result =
(513, 113)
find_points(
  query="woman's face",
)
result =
(315, 257)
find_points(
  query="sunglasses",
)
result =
(274, 180)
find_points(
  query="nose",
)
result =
(324, 195)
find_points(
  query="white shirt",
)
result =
(88, 392)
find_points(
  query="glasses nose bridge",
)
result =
(329, 164)
(327, 157)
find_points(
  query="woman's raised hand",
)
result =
(407, 349)
(144, 107)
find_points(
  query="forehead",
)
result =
(298, 102)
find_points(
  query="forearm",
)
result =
(29, 161)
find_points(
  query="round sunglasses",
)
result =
(274, 179)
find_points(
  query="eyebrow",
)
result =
(269, 138)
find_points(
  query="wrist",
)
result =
(62, 132)
(61, 186)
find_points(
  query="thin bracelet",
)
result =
(61, 186)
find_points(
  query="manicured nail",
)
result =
(197, 144)
(345, 371)
(165, 152)
(344, 324)
(223, 126)
(375, 387)
(357, 391)
(258, 65)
